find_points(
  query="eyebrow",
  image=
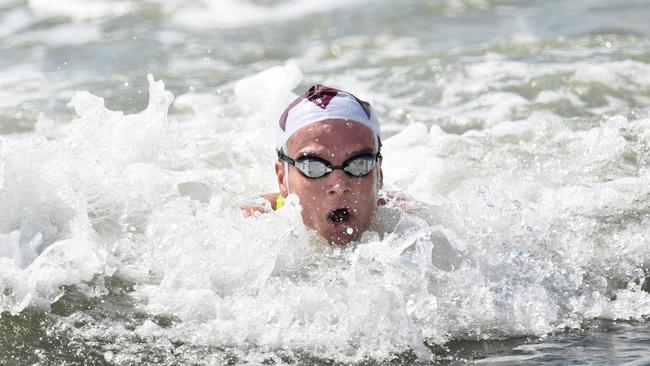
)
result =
(363, 150)
(311, 153)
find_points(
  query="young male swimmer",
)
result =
(328, 144)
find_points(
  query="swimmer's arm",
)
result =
(401, 200)
(259, 205)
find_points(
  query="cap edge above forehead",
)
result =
(337, 119)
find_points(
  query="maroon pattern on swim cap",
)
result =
(364, 105)
(321, 96)
(285, 114)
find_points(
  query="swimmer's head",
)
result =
(328, 142)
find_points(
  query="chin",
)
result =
(339, 233)
(341, 241)
(341, 237)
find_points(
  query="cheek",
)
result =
(307, 190)
(365, 196)
(365, 188)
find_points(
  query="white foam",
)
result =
(78, 9)
(47, 195)
(235, 14)
(516, 239)
(64, 34)
(18, 84)
(474, 96)
(14, 21)
(268, 91)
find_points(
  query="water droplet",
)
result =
(108, 356)
(349, 231)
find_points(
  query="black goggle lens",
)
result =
(360, 166)
(312, 168)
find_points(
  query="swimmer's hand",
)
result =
(401, 200)
(259, 205)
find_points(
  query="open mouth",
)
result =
(339, 215)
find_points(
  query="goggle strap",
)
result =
(286, 177)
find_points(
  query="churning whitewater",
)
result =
(130, 132)
(152, 201)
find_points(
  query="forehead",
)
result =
(332, 136)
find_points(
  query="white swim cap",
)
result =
(321, 103)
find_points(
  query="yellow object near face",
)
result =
(279, 202)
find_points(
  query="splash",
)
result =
(522, 248)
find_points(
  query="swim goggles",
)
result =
(314, 167)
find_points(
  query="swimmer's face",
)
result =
(338, 206)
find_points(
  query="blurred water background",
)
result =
(521, 126)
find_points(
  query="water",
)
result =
(521, 127)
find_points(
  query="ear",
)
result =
(279, 172)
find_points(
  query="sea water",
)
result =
(131, 130)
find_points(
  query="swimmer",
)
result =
(328, 144)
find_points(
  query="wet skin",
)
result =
(320, 198)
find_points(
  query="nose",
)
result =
(338, 183)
